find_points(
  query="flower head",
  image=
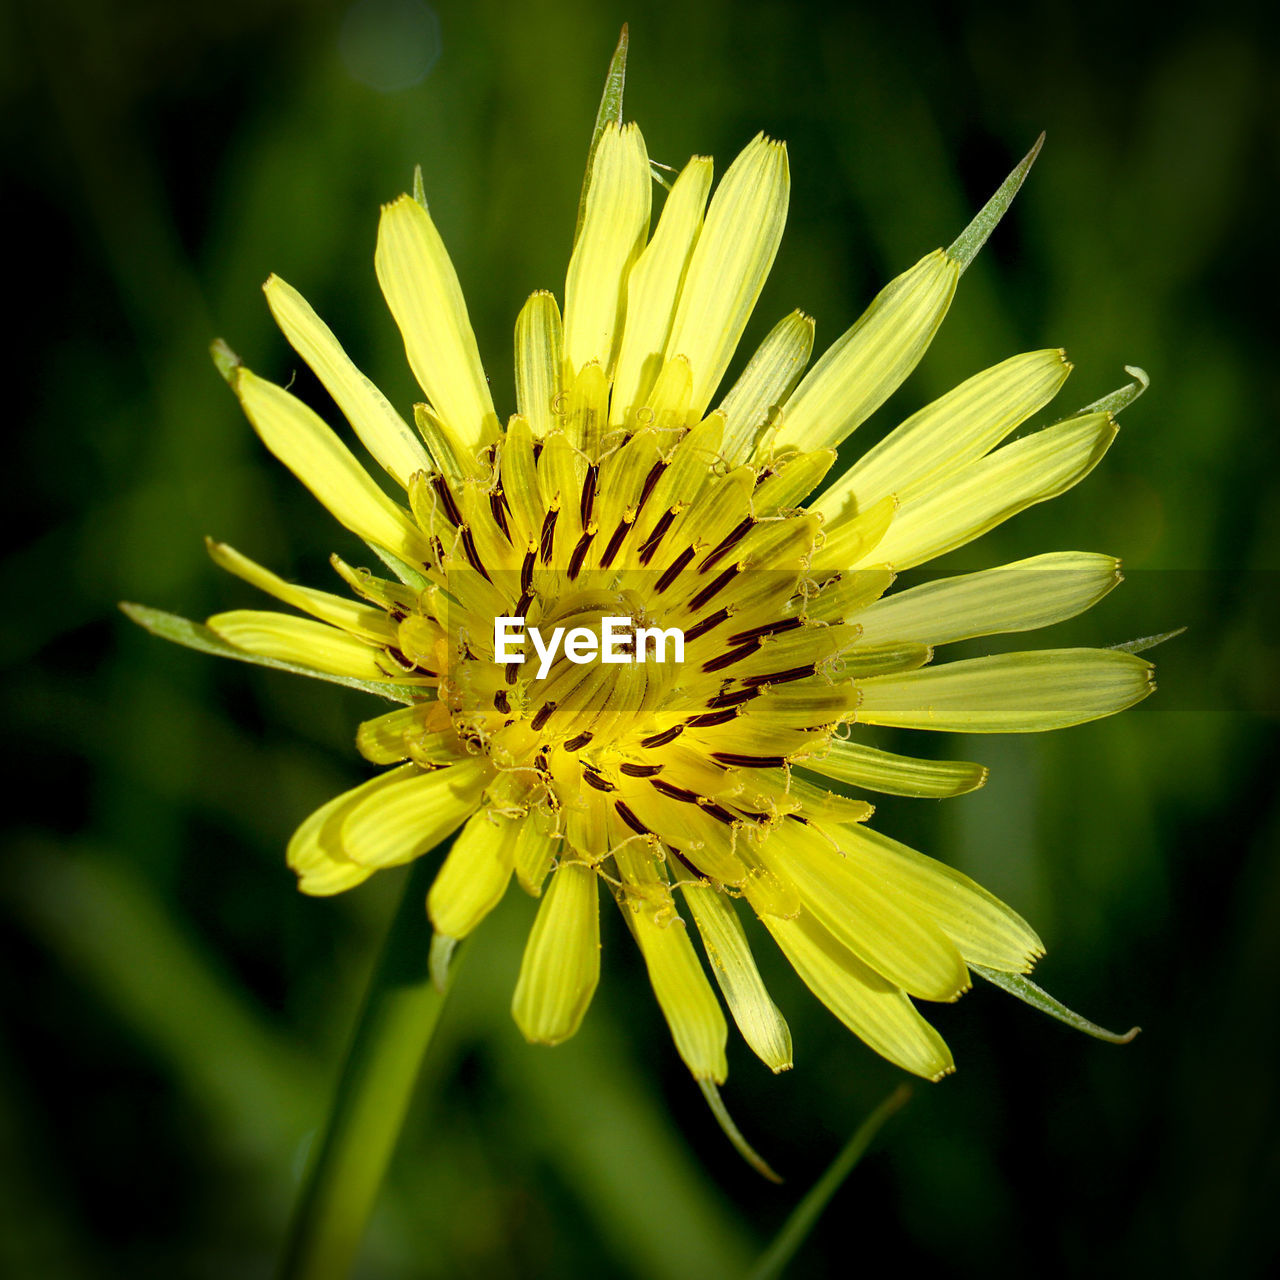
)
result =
(628, 501)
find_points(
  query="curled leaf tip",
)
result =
(974, 236)
(1122, 397)
(1021, 987)
(225, 361)
(733, 1133)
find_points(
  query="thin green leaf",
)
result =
(974, 236)
(805, 1215)
(610, 110)
(1016, 984)
(1146, 642)
(405, 572)
(194, 635)
(1124, 396)
(733, 1133)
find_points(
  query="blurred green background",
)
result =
(174, 1011)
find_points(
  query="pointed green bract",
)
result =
(966, 245)
(610, 109)
(1024, 989)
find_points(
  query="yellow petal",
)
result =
(762, 1025)
(326, 466)
(539, 362)
(381, 429)
(403, 733)
(873, 1009)
(360, 620)
(316, 851)
(896, 775)
(984, 493)
(730, 263)
(961, 426)
(422, 291)
(909, 952)
(410, 818)
(474, 876)
(766, 382)
(864, 366)
(289, 639)
(985, 930)
(535, 850)
(561, 964)
(614, 228)
(654, 286)
(1015, 597)
(1010, 692)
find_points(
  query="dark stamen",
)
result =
(441, 486)
(575, 744)
(709, 623)
(719, 811)
(543, 715)
(639, 770)
(595, 780)
(589, 493)
(661, 739)
(501, 701)
(615, 542)
(469, 546)
(712, 718)
(498, 505)
(655, 473)
(659, 529)
(768, 629)
(673, 571)
(630, 819)
(730, 656)
(711, 589)
(781, 677)
(526, 569)
(547, 540)
(733, 699)
(730, 541)
(674, 792)
(736, 760)
(580, 554)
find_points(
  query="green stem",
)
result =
(401, 1011)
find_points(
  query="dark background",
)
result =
(174, 1010)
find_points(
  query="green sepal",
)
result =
(419, 189)
(1144, 643)
(1017, 984)
(733, 1133)
(225, 361)
(610, 110)
(405, 572)
(974, 236)
(805, 1215)
(1122, 397)
(194, 635)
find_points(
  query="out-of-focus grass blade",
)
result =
(806, 1214)
(194, 635)
(615, 82)
(1017, 984)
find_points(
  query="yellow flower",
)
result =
(627, 491)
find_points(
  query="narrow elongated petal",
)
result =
(614, 228)
(1015, 597)
(423, 294)
(561, 964)
(873, 1009)
(762, 1025)
(986, 492)
(475, 874)
(300, 640)
(985, 930)
(352, 616)
(381, 429)
(396, 825)
(895, 775)
(908, 952)
(1010, 692)
(730, 262)
(316, 850)
(961, 426)
(864, 367)
(535, 850)
(769, 378)
(654, 286)
(326, 466)
(539, 362)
